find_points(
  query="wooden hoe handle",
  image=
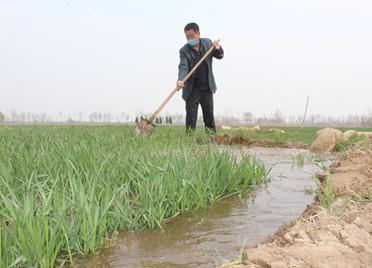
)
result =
(155, 114)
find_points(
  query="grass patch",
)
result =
(325, 191)
(299, 159)
(65, 190)
(345, 145)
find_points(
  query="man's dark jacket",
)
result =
(187, 61)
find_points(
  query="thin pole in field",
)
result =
(303, 120)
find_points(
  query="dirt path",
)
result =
(337, 236)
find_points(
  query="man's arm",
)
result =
(183, 69)
(183, 66)
(218, 51)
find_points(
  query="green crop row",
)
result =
(68, 190)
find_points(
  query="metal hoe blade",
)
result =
(145, 127)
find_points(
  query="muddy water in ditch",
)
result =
(205, 237)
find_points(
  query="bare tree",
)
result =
(247, 117)
(2, 117)
(279, 118)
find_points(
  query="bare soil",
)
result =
(240, 140)
(337, 236)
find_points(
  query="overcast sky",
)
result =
(122, 56)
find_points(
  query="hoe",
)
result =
(146, 126)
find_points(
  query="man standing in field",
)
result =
(200, 87)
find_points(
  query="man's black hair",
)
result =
(191, 26)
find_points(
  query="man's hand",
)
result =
(180, 84)
(216, 44)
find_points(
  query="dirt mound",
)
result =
(353, 175)
(230, 140)
(350, 134)
(365, 134)
(240, 140)
(327, 140)
(339, 236)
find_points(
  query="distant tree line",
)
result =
(158, 120)
(228, 118)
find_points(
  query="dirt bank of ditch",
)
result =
(240, 140)
(337, 236)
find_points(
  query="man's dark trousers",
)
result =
(205, 99)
